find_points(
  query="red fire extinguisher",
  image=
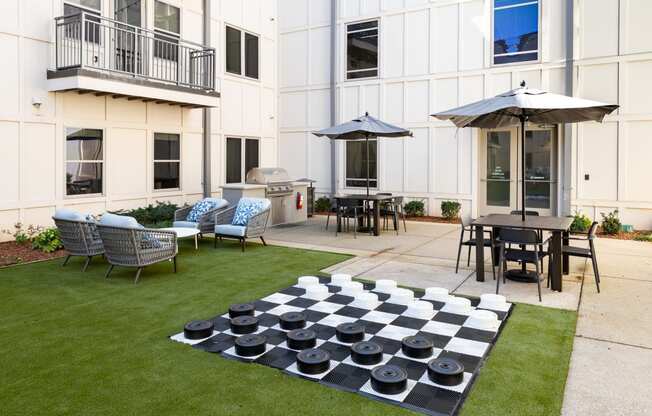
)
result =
(299, 200)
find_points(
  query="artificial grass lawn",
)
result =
(75, 343)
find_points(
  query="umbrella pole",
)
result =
(523, 167)
(367, 144)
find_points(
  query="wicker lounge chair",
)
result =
(78, 235)
(255, 226)
(128, 244)
(206, 221)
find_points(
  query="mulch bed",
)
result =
(634, 235)
(14, 253)
(424, 218)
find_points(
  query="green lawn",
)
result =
(75, 343)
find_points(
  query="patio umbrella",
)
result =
(365, 127)
(526, 104)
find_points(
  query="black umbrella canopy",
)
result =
(365, 127)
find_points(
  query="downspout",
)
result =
(333, 93)
(567, 149)
(206, 120)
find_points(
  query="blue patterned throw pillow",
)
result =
(246, 209)
(200, 208)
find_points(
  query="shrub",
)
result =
(414, 209)
(47, 240)
(322, 204)
(644, 237)
(161, 214)
(610, 223)
(581, 223)
(450, 209)
(22, 235)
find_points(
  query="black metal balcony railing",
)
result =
(85, 40)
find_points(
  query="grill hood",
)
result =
(266, 176)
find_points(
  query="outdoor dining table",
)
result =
(376, 199)
(558, 226)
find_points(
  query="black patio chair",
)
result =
(394, 209)
(331, 210)
(470, 243)
(586, 253)
(531, 214)
(523, 238)
(347, 210)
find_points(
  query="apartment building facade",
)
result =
(115, 104)
(402, 60)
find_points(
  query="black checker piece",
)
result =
(415, 369)
(301, 302)
(221, 324)
(274, 336)
(334, 289)
(469, 362)
(475, 334)
(217, 343)
(435, 304)
(390, 346)
(450, 318)
(371, 327)
(368, 285)
(338, 352)
(323, 331)
(267, 319)
(438, 340)
(264, 306)
(408, 322)
(314, 316)
(340, 299)
(434, 399)
(392, 308)
(348, 377)
(324, 279)
(293, 291)
(352, 312)
(278, 358)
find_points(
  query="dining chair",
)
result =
(586, 253)
(349, 209)
(523, 238)
(531, 214)
(471, 243)
(331, 210)
(395, 211)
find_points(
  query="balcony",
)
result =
(98, 55)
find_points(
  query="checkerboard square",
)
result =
(341, 299)
(441, 328)
(390, 346)
(326, 307)
(475, 334)
(301, 302)
(407, 322)
(471, 363)
(294, 369)
(232, 354)
(293, 291)
(348, 377)
(279, 298)
(264, 306)
(450, 318)
(314, 316)
(217, 343)
(438, 341)
(274, 336)
(396, 332)
(380, 317)
(367, 389)
(221, 324)
(351, 312)
(433, 399)
(435, 354)
(459, 388)
(323, 331)
(467, 346)
(278, 358)
(386, 357)
(391, 308)
(335, 320)
(338, 352)
(371, 327)
(281, 309)
(268, 320)
(414, 369)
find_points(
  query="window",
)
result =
(516, 31)
(84, 161)
(167, 161)
(239, 153)
(356, 164)
(167, 28)
(129, 12)
(362, 50)
(92, 24)
(241, 51)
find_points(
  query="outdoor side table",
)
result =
(182, 232)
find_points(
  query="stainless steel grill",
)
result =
(276, 180)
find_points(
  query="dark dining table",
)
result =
(366, 199)
(558, 226)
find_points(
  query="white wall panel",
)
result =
(268, 63)
(251, 112)
(557, 80)
(127, 161)
(292, 153)
(320, 56)
(9, 75)
(417, 36)
(371, 100)
(293, 109)
(599, 159)
(417, 153)
(394, 102)
(193, 24)
(554, 29)
(191, 167)
(445, 94)
(293, 13)
(84, 107)
(320, 161)
(39, 23)
(415, 3)
(351, 104)
(392, 4)
(466, 160)
(445, 141)
(268, 152)
(599, 25)
(416, 96)
(126, 111)
(392, 41)
(294, 50)
(216, 156)
(269, 18)
(499, 83)
(38, 162)
(472, 89)
(9, 162)
(320, 108)
(445, 38)
(232, 12)
(638, 89)
(9, 13)
(637, 29)
(349, 8)
(473, 29)
(232, 101)
(392, 164)
(637, 167)
(35, 57)
(532, 78)
(320, 12)
(252, 15)
(268, 115)
(600, 83)
(369, 7)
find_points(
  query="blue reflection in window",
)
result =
(516, 30)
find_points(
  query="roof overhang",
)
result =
(102, 83)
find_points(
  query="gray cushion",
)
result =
(123, 221)
(231, 230)
(185, 224)
(69, 214)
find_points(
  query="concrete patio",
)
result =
(613, 326)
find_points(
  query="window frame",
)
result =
(346, 51)
(168, 35)
(66, 161)
(155, 161)
(539, 37)
(243, 156)
(346, 175)
(243, 55)
(96, 39)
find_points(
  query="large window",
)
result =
(84, 161)
(356, 164)
(167, 28)
(167, 160)
(241, 156)
(92, 25)
(516, 31)
(241, 51)
(362, 50)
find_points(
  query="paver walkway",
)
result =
(612, 357)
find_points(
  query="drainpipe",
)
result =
(333, 93)
(206, 121)
(567, 149)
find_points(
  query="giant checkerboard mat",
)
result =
(386, 325)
